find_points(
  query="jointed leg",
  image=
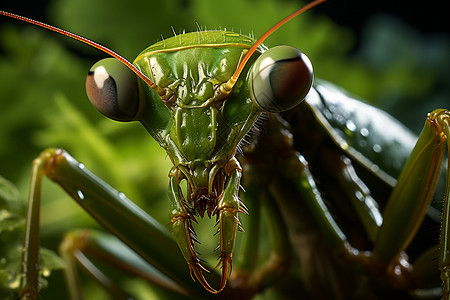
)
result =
(247, 273)
(403, 215)
(227, 210)
(444, 257)
(318, 240)
(111, 209)
(410, 199)
(85, 248)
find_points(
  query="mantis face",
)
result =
(199, 121)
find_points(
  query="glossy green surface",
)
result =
(371, 136)
(201, 132)
(413, 193)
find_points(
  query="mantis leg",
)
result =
(227, 211)
(85, 248)
(341, 171)
(252, 276)
(294, 167)
(316, 236)
(409, 201)
(109, 208)
(312, 230)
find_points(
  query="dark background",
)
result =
(431, 16)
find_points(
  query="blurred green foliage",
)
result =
(43, 103)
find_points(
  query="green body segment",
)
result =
(199, 131)
(360, 130)
(412, 195)
(229, 207)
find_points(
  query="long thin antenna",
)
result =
(86, 41)
(227, 87)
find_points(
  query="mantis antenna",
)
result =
(224, 88)
(86, 41)
(228, 86)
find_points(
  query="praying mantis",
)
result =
(204, 189)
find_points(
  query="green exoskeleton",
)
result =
(230, 112)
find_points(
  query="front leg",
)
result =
(181, 219)
(110, 208)
(227, 211)
(409, 201)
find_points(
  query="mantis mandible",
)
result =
(200, 120)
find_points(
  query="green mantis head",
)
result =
(199, 125)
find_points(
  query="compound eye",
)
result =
(280, 79)
(112, 88)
